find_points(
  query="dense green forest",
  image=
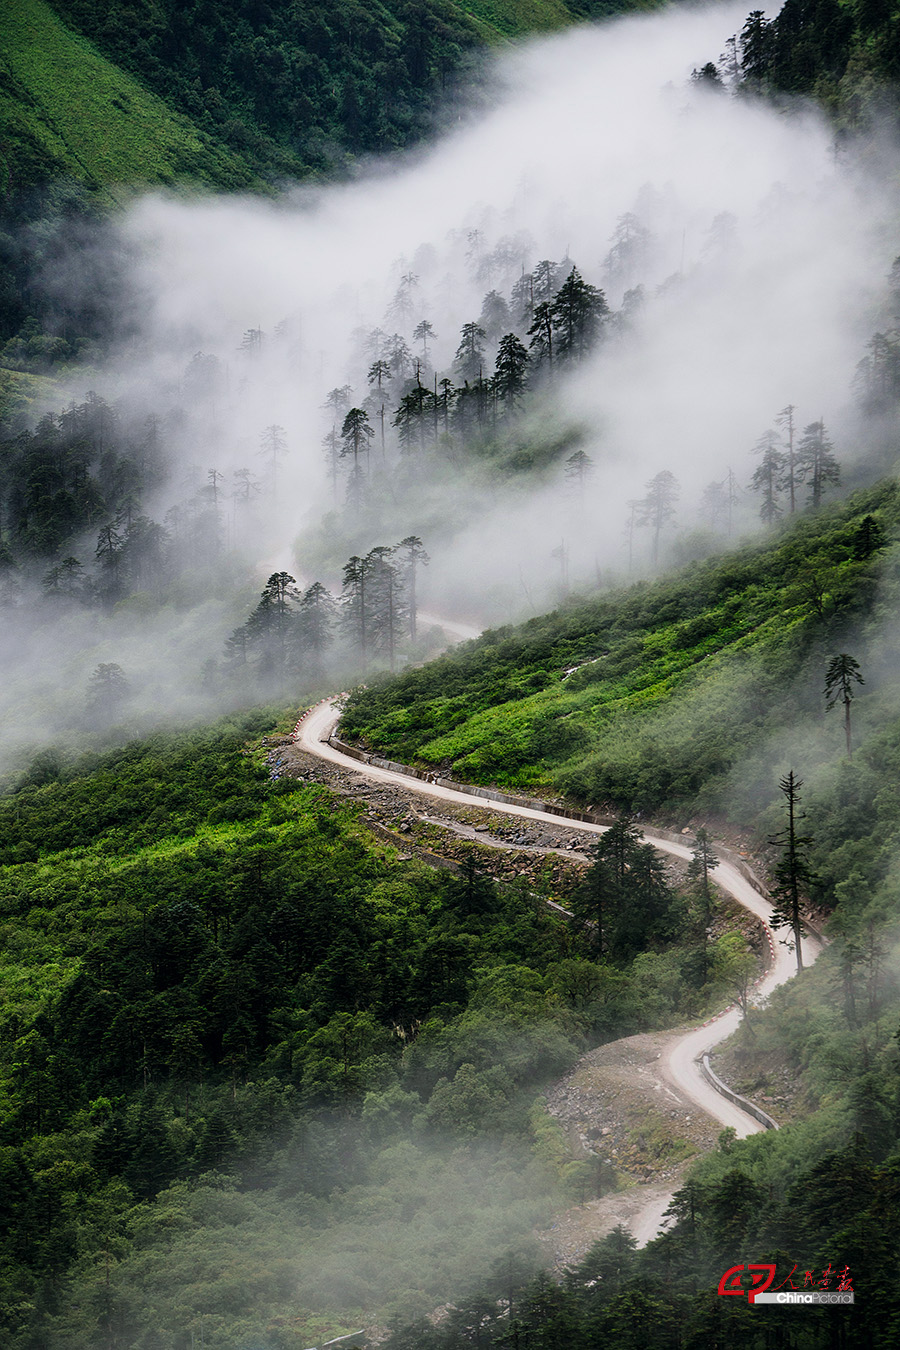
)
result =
(240, 1043)
(815, 1199)
(300, 87)
(844, 55)
(220, 991)
(265, 1078)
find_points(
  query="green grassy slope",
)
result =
(207, 1113)
(514, 18)
(300, 86)
(19, 390)
(500, 19)
(66, 110)
(675, 681)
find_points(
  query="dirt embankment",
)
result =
(621, 1111)
(618, 1107)
(548, 857)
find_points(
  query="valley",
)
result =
(578, 320)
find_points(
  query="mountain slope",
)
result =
(674, 682)
(66, 110)
(300, 86)
(513, 18)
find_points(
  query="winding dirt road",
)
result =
(681, 1067)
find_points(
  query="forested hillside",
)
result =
(301, 86)
(233, 1022)
(847, 56)
(67, 112)
(243, 91)
(651, 698)
(271, 1070)
(237, 94)
(695, 696)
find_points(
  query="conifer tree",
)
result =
(444, 396)
(355, 604)
(755, 44)
(868, 539)
(386, 602)
(579, 467)
(878, 374)
(541, 334)
(414, 556)
(252, 342)
(842, 673)
(522, 300)
(510, 371)
(108, 689)
(469, 360)
(495, 317)
(545, 280)
(109, 555)
(245, 486)
(424, 332)
(703, 861)
(398, 356)
(314, 624)
(414, 417)
(658, 507)
(649, 893)
(604, 901)
(338, 400)
(269, 629)
(378, 372)
(785, 420)
(792, 872)
(594, 901)
(578, 313)
(816, 463)
(630, 245)
(767, 476)
(356, 435)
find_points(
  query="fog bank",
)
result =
(743, 259)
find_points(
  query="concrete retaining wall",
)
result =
(446, 864)
(743, 1102)
(489, 794)
(534, 804)
(564, 812)
(407, 846)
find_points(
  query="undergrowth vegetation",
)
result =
(648, 698)
(816, 1201)
(248, 1057)
(692, 694)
